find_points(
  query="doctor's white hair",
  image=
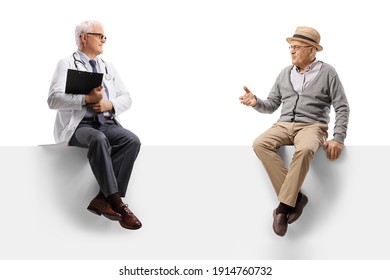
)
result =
(84, 27)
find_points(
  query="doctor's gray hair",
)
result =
(84, 27)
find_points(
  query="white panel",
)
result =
(195, 202)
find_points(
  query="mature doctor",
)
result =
(91, 121)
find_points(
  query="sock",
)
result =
(283, 208)
(299, 197)
(100, 195)
(115, 201)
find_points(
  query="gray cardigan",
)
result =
(313, 104)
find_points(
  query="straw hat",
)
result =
(308, 35)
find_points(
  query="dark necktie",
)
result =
(100, 116)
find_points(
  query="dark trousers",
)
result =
(112, 151)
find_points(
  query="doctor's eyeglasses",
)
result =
(99, 35)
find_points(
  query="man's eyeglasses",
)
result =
(99, 35)
(297, 48)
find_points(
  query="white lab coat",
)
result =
(70, 109)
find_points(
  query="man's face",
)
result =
(94, 41)
(302, 54)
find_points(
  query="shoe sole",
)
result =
(97, 212)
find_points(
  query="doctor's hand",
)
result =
(248, 98)
(101, 106)
(333, 149)
(94, 96)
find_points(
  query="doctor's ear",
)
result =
(83, 38)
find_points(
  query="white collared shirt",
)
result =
(301, 80)
(88, 66)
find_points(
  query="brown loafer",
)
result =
(297, 211)
(99, 207)
(129, 220)
(280, 223)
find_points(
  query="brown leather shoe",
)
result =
(297, 211)
(280, 223)
(129, 220)
(99, 207)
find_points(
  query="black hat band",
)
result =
(304, 37)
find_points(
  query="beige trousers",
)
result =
(307, 138)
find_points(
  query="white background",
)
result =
(185, 63)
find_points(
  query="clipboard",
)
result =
(82, 82)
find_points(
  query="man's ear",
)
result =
(83, 37)
(313, 51)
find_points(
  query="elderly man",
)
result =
(91, 121)
(306, 89)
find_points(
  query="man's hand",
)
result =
(333, 149)
(94, 96)
(248, 98)
(101, 106)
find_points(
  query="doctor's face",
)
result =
(94, 41)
